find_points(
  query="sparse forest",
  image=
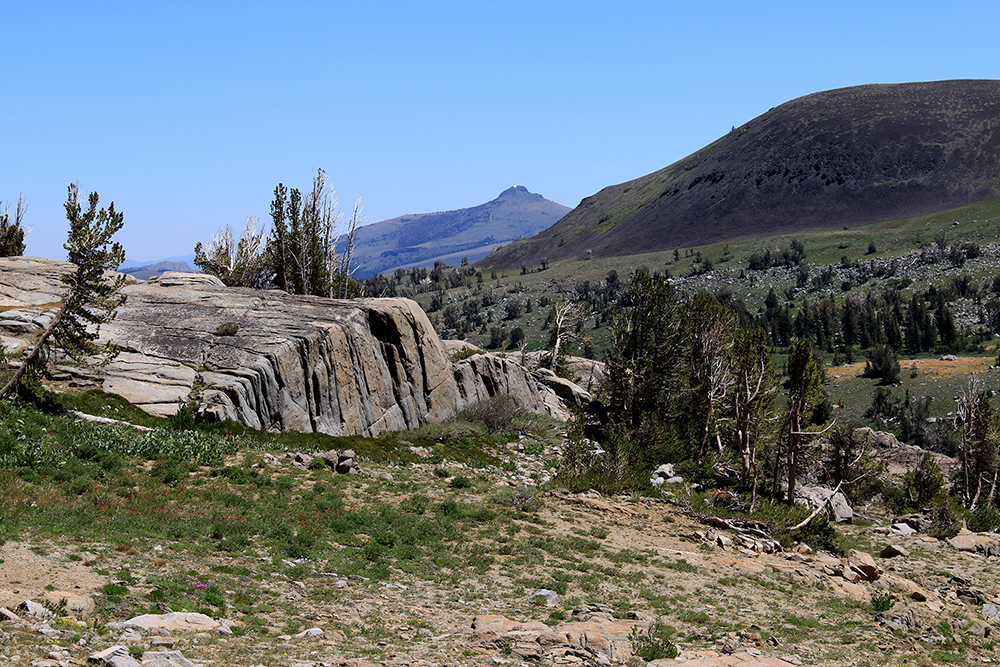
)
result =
(308, 250)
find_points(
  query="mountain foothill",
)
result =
(832, 159)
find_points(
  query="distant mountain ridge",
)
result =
(836, 158)
(422, 239)
(148, 271)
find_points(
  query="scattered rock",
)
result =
(904, 620)
(893, 550)
(165, 659)
(864, 564)
(178, 622)
(973, 596)
(552, 598)
(665, 475)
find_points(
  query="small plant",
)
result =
(227, 329)
(882, 601)
(654, 643)
(184, 418)
(460, 482)
(57, 608)
(465, 353)
(682, 566)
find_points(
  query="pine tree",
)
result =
(755, 388)
(805, 391)
(12, 234)
(91, 300)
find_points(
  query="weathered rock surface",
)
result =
(177, 622)
(296, 363)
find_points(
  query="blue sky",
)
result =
(187, 114)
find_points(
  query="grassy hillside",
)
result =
(832, 159)
(400, 563)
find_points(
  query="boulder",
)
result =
(904, 586)
(295, 363)
(165, 659)
(552, 598)
(177, 622)
(893, 550)
(116, 656)
(32, 608)
(879, 439)
(838, 505)
(969, 541)
(570, 392)
(864, 564)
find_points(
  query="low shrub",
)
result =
(227, 329)
(654, 643)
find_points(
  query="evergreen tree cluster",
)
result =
(12, 233)
(306, 252)
(922, 323)
(688, 382)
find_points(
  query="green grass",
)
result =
(62, 477)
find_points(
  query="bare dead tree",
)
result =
(565, 314)
(345, 269)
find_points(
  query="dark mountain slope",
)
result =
(836, 158)
(420, 240)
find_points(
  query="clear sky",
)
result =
(187, 114)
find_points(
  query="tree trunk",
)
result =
(19, 373)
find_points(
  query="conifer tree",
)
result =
(12, 233)
(91, 299)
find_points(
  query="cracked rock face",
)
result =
(294, 363)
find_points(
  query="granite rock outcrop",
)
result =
(276, 361)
